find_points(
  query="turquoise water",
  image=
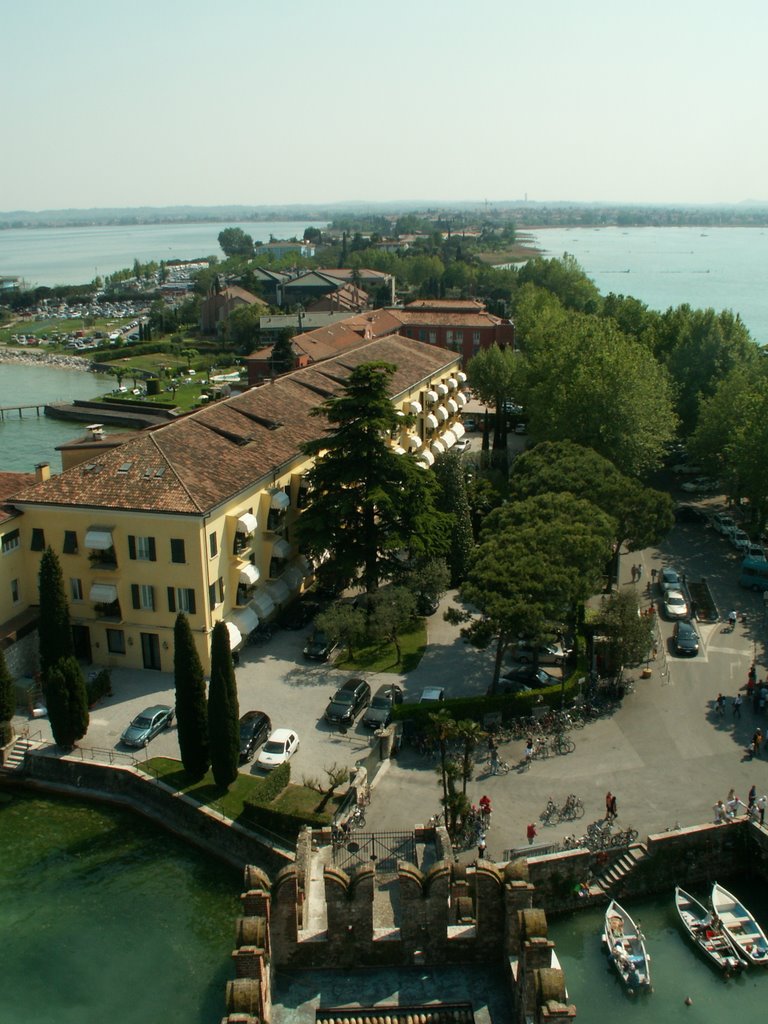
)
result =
(31, 439)
(677, 970)
(105, 918)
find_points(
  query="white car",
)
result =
(463, 444)
(740, 540)
(675, 606)
(279, 748)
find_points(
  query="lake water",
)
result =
(106, 918)
(722, 268)
(52, 256)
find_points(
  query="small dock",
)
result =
(7, 410)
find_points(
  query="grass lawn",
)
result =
(293, 799)
(382, 656)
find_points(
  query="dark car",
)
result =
(255, 726)
(319, 646)
(148, 724)
(380, 709)
(537, 679)
(348, 701)
(685, 638)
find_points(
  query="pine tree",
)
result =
(55, 634)
(67, 702)
(191, 713)
(7, 702)
(223, 710)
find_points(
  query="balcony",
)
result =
(110, 612)
(106, 559)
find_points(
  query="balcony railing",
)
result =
(103, 559)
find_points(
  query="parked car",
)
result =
(521, 428)
(319, 646)
(536, 679)
(379, 711)
(279, 748)
(755, 551)
(432, 695)
(348, 701)
(463, 444)
(690, 514)
(148, 724)
(687, 469)
(548, 654)
(685, 638)
(675, 606)
(701, 485)
(302, 611)
(740, 541)
(669, 579)
(255, 727)
(722, 522)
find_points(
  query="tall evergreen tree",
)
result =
(55, 633)
(7, 701)
(191, 713)
(67, 702)
(223, 710)
(449, 471)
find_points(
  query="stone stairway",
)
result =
(15, 759)
(608, 883)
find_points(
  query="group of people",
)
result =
(730, 809)
(636, 572)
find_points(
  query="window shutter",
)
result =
(152, 550)
(135, 595)
(171, 600)
(212, 596)
(131, 547)
(191, 594)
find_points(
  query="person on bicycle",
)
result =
(732, 617)
(494, 761)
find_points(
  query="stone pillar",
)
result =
(518, 896)
(436, 912)
(283, 923)
(349, 906)
(250, 962)
(490, 911)
(411, 909)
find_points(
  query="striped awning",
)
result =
(98, 539)
(431, 396)
(397, 449)
(246, 620)
(461, 376)
(281, 548)
(437, 447)
(452, 383)
(263, 604)
(426, 458)
(442, 389)
(102, 593)
(235, 636)
(279, 501)
(248, 576)
(453, 406)
(247, 523)
(461, 398)
(414, 442)
(292, 577)
(432, 421)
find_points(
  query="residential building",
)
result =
(17, 619)
(280, 249)
(459, 325)
(197, 515)
(314, 284)
(216, 307)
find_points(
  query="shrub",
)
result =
(99, 686)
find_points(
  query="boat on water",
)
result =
(742, 930)
(625, 946)
(707, 933)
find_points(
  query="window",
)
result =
(475, 339)
(76, 589)
(70, 542)
(220, 583)
(433, 337)
(116, 641)
(142, 549)
(181, 599)
(422, 334)
(10, 541)
(15, 591)
(177, 551)
(213, 544)
(143, 596)
(38, 540)
(212, 596)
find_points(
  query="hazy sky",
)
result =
(161, 102)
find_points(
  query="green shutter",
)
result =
(135, 595)
(131, 547)
(171, 600)
(191, 594)
(152, 550)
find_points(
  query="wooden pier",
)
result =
(39, 409)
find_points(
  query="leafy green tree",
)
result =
(391, 611)
(369, 505)
(470, 736)
(494, 376)
(629, 634)
(564, 278)
(54, 630)
(191, 712)
(449, 471)
(282, 358)
(242, 327)
(428, 582)
(441, 728)
(235, 242)
(67, 702)
(190, 354)
(7, 702)
(343, 624)
(223, 710)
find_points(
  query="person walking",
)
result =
(757, 739)
(481, 845)
(737, 706)
(610, 806)
(760, 805)
(752, 796)
(654, 573)
(639, 572)
(720, 704)
(531, 833)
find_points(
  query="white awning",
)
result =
(280, 501)
(234, 634)
(448, 438)
(426, 457)
(263, 604)
(397, 449)
(452, 383)
(414, 442)
(249, 576)
(281, 548)
(437, 447)
(461, 398)
(431, 396)
(432, 421)
(292, 577)
(461, 376)
(442, 413)
(98, 539)
(279, 592)
(245, 620)
(459, 430)
(102, 593)
(414, 407)
(247, 523)
(453, 406)
(442, 389)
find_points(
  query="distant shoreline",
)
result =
(51, 359)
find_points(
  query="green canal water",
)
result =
(105, 918)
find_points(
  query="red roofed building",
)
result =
(459, 325)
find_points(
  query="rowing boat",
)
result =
(707, 933)
(744, 933)
(625, 946)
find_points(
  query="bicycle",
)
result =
(564, 744)
(357, 818)
(572, 808)
(625, 838)
(540, 748)
(497, 767)
(551, 813)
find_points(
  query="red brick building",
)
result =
(460, 325)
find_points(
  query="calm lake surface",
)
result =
(105, 918)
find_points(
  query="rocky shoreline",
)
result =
(54, 360)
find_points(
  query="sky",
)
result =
(255, 102)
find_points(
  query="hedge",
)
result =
(281, 823)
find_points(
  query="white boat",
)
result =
(625, 946)
(707, 933)
(744, 933)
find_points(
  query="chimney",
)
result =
(42, 472)
(97, 431)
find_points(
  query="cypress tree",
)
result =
(449, 471)
(223, 710)
(191, 713)
(55, 634)
(67, 702)
(7, 702)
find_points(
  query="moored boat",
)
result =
(707, 933)
(625, 947)
(742, 930)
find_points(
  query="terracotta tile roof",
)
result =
(447, 305)
(196, 462)
(440, 319)
(11, 484)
